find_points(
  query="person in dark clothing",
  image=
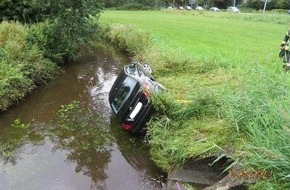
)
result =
(286, 38)
(284, 47)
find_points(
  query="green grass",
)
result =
(207, 35)
(226, 86)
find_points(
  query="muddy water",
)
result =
(82, 149)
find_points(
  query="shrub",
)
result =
(37, 68)
(22, 65)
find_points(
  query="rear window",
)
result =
(123, 93)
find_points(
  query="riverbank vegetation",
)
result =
(39, 37)
(22, 65)
(227, 92)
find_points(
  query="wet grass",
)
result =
(227, 92)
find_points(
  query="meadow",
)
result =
(227, 94)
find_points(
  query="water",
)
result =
(83, 150)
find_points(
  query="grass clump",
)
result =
(188, 129)
(178, 142)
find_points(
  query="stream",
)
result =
(63, 135)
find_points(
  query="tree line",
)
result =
(38, 10)
(254, 4)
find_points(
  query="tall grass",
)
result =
(126, 38)
(258, 94)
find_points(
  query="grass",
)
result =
(200, 36)
(226, 86)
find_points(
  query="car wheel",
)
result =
(147, 68)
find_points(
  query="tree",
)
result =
(21, 10)
(72, 23)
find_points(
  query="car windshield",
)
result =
(123, 93)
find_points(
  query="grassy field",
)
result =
(226, 68)
(207, 34)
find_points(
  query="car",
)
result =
(214, 9)
(129, 97)
(233, 9)
(188, 8)
(198, 8)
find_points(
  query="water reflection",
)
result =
(74, 147)
(86, 138)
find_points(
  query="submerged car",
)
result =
(129, 96)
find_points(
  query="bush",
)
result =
(22, 65)
(37, 68)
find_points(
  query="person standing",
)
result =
(284, 47)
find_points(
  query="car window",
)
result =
(123, 93)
